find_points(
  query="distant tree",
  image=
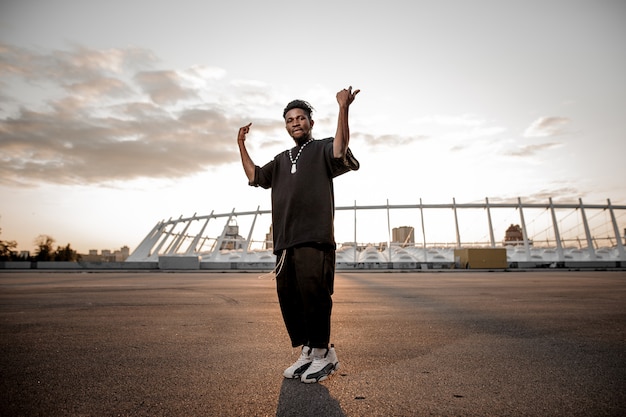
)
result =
(66, 254)
(7, 250)
(44, 250)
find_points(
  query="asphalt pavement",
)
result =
(432, 343)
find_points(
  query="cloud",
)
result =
(77, 65)
(164, 87)
(547, 126)
(106, 115)
(45, 147)
(387, 140)
(84, 116)
(98, 88)
(462, 132)
(558, 194)
(532, 150)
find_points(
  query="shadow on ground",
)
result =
(304, 400)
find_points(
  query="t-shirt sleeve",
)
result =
(263, 175)
(339, 166)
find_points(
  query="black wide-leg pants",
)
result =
(305, 284)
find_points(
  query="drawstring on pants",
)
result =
(277, 268)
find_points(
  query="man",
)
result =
(303, 206)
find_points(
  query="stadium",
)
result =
(420, 236)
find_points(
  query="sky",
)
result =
(115, 115)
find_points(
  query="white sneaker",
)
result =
(302, 364)
(324, 364)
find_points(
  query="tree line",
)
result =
(44, 251)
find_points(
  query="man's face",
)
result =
(298, 125)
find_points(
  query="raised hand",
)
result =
(345, 97)
(243, 131)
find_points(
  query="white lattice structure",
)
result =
(551, 235)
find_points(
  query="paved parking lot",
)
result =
(449, 343)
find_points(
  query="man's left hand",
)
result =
(346, 96)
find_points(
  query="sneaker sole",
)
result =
(321, 377)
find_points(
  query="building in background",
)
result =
(106, 255)
(405, 235)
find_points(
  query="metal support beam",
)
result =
(181, 236)
(423, 231)
(249, 240)
(492, 240)
(143, 250)
(620, 245)
(388, 231)
(218, 243)
(355, 244)
(193, 247)
(557, 234)
(524, 233)
(166, 236)
(590, 248)
(456, 224)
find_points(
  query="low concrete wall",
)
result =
(15, 265)
(58, 265)
(120, 265)
(184, 263)
(109, 266)
(179, 262)
(251, 266)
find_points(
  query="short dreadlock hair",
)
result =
(299, 104)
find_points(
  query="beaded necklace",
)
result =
(293, 161)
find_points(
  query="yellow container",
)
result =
(477, 258)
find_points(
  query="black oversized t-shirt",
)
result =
(303, 203)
